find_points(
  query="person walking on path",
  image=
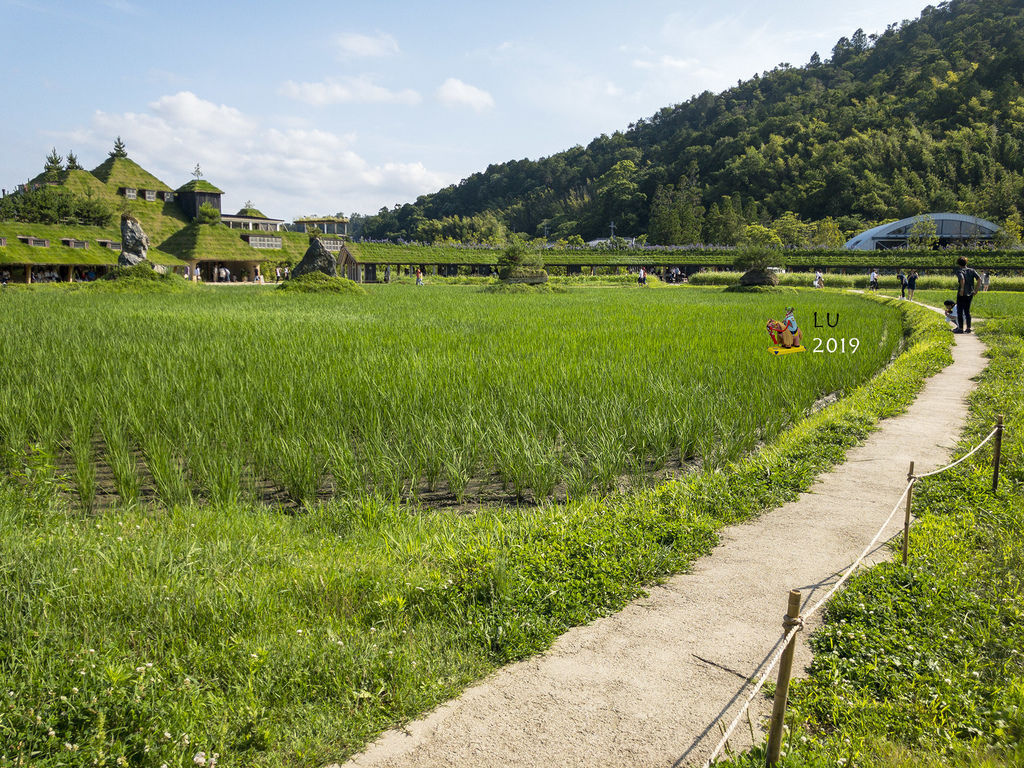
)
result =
(984, 280)
(911, 284)
(903, 284)
(819, 279)
(873, 284)
(419, 276)
(967, 279)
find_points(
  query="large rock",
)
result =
(759, 277)
(134, 243)
(317, 259)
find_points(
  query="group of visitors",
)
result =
(908, 283)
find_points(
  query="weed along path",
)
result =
(647, 685)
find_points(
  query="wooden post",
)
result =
(997, 453)
(782, 685)
(906, 517)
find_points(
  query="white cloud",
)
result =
(354, 44)
(454, 92)
(285, 168)
(350, 90)
(665, 62)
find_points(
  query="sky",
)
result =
(340, 107)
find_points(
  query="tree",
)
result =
(54, 165)
(73, 164)
(119, 150)
(923, 232)
(759, 236)
(1009, 235)
(663, 225)
(517, 260)
(826, 234)
(790, 230)
(208, 214)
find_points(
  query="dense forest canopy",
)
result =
(927, 116)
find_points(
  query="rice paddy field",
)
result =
(996, 304)
(439, 394)
(264, 527)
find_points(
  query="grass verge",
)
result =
(922, 666)
(146, 636)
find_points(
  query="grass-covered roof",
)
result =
(212, 242)
(200, 185)
(251, 213)
(120, 172)
(16, 252)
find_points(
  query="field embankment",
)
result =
(922, 665)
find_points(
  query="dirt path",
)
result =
(644, 687)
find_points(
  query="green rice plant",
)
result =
(85, 466)
(166, 469)
(301, 465)
(121, 459)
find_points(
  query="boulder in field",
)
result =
(317, 259)
(134, 243)
(759, 277)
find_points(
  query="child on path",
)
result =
(911, 284)
(950, 311)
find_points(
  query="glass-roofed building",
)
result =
(950, 228)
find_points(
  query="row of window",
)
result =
(67, 242)
(149, 195)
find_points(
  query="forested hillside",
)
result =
(927, 116)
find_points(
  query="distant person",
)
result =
(903, 284)
(419, 276)
(387, 273)
(911, 284)
(277, 274)
(642, 279)
(873, 280)
(967, 281)
(984, 280)
(819, 279)
(287, 274)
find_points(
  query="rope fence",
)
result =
(794, 619)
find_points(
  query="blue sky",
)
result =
(321, 107)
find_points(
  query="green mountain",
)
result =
(927, 116)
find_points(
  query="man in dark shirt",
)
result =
(967, 281)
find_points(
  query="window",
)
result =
(130, 193)
(150, 195)
(262, 241)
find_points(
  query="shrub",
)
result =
(318, 282)
(517, 260)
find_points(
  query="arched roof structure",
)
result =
(949, 227)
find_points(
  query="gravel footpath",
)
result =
(646, 686)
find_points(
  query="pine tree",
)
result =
(54, 165)
(119, 150)
(663, 227)
(73, 164)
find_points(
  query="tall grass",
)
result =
(405, 392)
